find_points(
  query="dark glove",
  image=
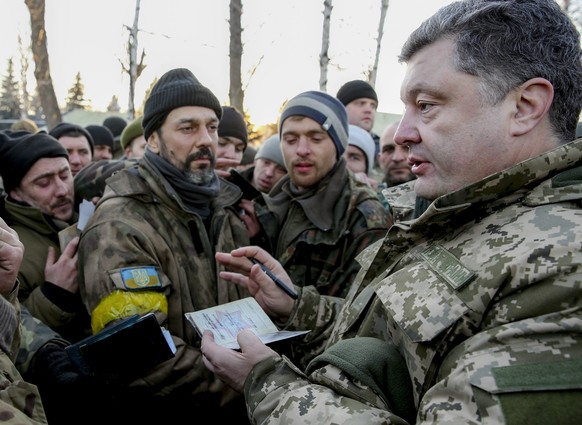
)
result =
(67, 395)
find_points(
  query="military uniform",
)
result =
(481, 295)
(141, 252)
(20, 401)
(59, 309)
(317, 236)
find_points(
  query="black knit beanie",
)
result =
(177, 87)
(116, 125)
(232, 124)
(356, 89)
(19, 151)
(101, 135)
(68, 129)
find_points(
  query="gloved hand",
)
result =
(67, 395)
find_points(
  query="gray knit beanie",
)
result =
(177, 87)
(323, 109)
(361, 139)
(271, 150)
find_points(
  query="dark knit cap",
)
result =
(116, 125)
(232, 124)
(134, 129)
(19, 151)
(101, 135)
(68, 129)
(356, 89)
(177, 87)
(325, 110)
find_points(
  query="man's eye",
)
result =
(424, 107)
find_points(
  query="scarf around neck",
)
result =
(196, 197)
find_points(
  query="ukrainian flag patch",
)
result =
(140, 277)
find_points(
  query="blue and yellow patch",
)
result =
(140, 277)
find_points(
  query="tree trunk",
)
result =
(324, 55)
(132, 47)
(373, 72)
(42, 72)
(24, 56)
(236, 93)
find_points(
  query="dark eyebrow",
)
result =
(45, 175)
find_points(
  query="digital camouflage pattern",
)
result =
(141, 222)
(399, 201)
(321, 234)
(481, 295)
(20, 402)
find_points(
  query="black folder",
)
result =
(126, 350)
(248, 190)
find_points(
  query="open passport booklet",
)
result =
(226, 320)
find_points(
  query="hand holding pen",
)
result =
(288, 290)
(240, 269)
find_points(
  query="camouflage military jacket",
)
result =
(142, 251)
(57, 308)
(319, 236)
(481, 295)
(20, 402)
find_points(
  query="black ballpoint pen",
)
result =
(291, 292)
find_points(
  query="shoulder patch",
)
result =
(447, 266)
(140, 277)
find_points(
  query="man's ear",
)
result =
(154, 143)
(15, 194)
(532, 103)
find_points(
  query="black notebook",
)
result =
(248, 190)
(127, 349)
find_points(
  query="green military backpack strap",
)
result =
(377, 364)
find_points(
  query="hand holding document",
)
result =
(226, 320)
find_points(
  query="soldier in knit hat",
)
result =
(149, 247)
(103, 142)
(359, 154)
(361, 102)
(116, 125)
(232, 140)
(39, 207)
(77, 141)
(319, 216)
(269, 165)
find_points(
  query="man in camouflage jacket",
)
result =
(20, 401)
(150, 245)
(39, 206)
(478, 299)
(320, 217)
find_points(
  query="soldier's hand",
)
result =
(223, 166)
(241, 271)
(249, 218)
(63, 272)
(11, 253)
(232, 366)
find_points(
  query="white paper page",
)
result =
(226, 320)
